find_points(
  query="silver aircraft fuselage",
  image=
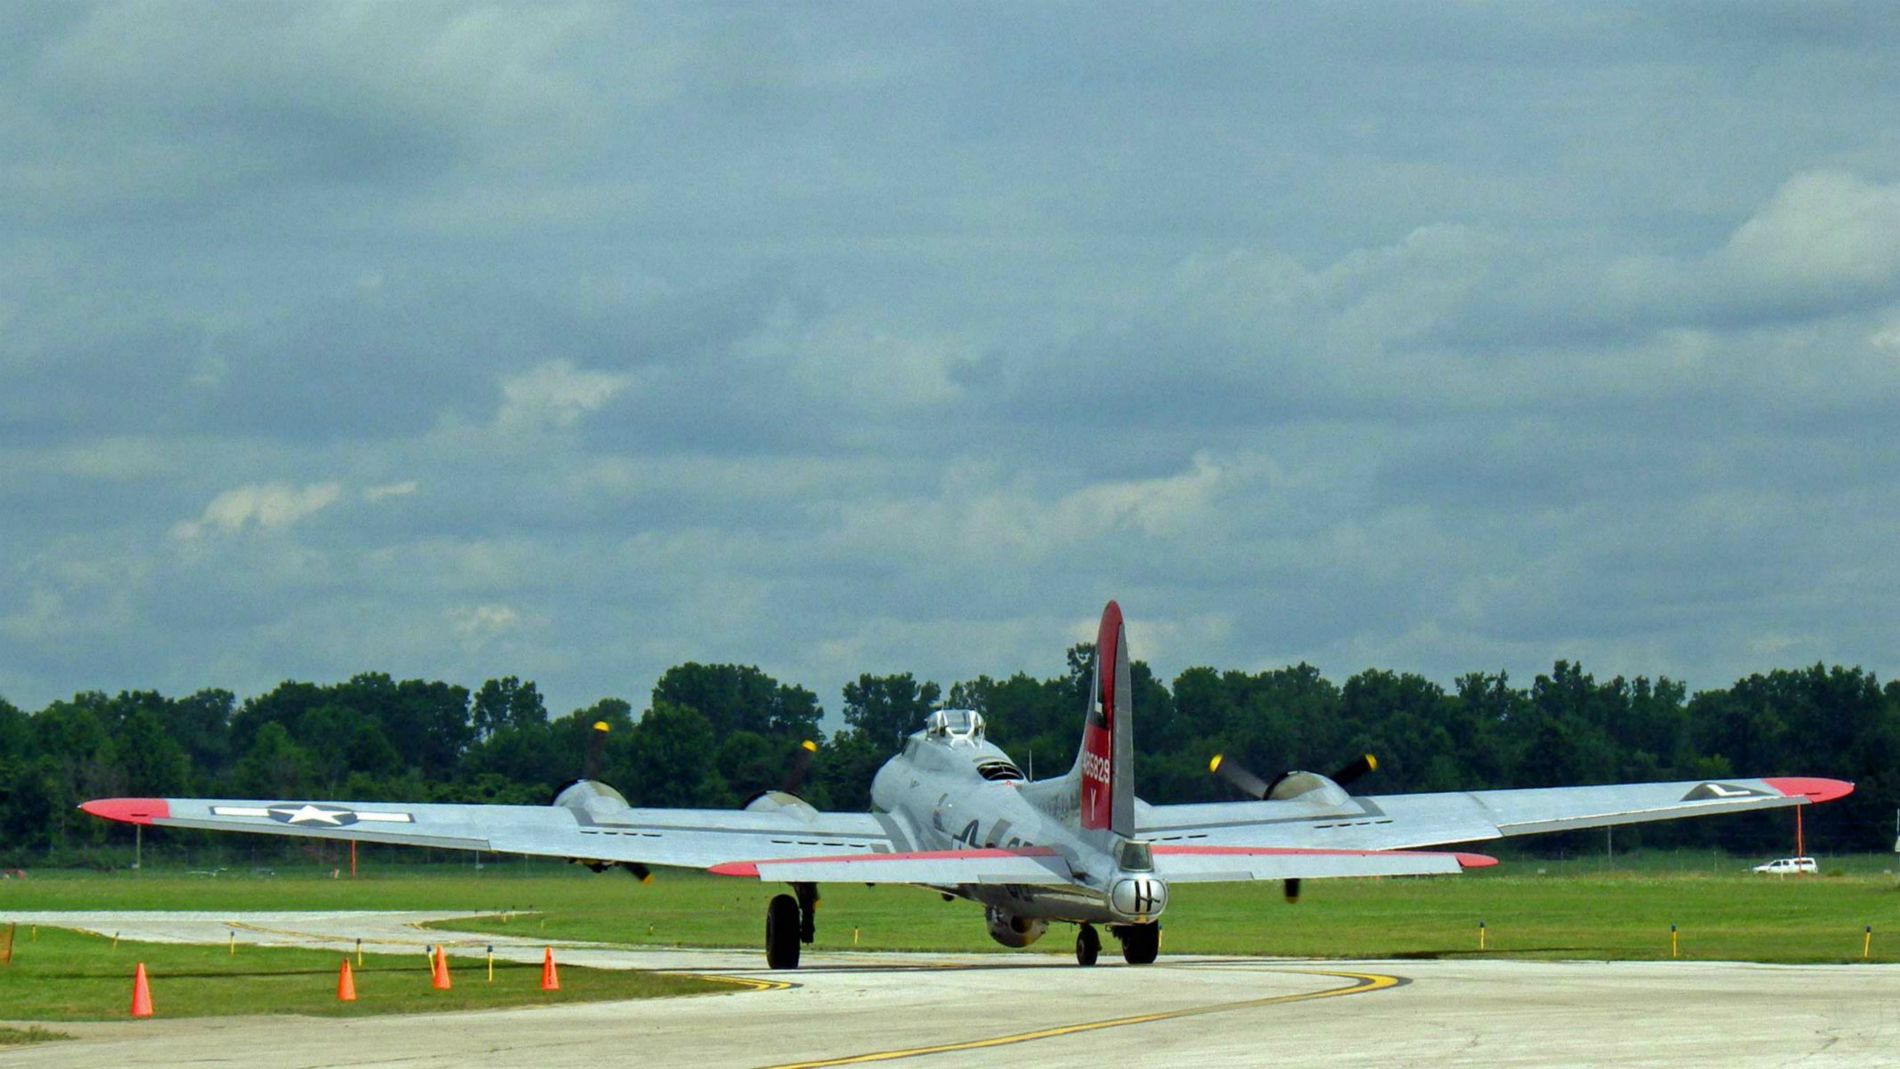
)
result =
(954, 790)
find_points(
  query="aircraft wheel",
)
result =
(781, 933)
(1140, 943)
(1088, 945)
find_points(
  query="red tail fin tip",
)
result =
(1108, 789)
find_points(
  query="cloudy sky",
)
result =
(575, 341)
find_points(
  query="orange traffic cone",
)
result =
(141, 993)
(441, 979)
(345, 983)
(550, 976)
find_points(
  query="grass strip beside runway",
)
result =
(20, 1037)
(62, 975)
(1613, 916)
(1531, 909)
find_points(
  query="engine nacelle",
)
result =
(790, 805)
(1311, 788)
(601, 803)
(1012, 930)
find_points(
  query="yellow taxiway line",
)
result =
(1361, 984)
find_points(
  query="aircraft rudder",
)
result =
(1106, 757)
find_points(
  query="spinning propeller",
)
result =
(795, 773)
(590, 771)
(1290, 784)
(801, 764)
(596, 750)
(807, 893)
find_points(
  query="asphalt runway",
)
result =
(988, 1009)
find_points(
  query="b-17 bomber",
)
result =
(954, 813)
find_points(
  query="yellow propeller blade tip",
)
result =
(1372, 763)
(809, 745)
(602, 725)
(648, 878)
(1214, 765)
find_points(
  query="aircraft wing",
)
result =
(1406, 821)
(690, 838)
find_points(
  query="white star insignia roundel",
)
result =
(311, 813)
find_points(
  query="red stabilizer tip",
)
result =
(736, 868)
(1816, 790)
(129, 810)
(1475, 861)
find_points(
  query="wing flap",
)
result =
(935, 868)
(1235, 864)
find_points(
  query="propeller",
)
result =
(795, 773)
(596, 750)
(640, 872)
(1356, 768)
(1243, 780)
(801, 764)
(1254, 787)
(590, 770)
(808, 897)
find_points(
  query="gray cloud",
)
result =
(573, 342)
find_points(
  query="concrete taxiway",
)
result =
(986, 1009)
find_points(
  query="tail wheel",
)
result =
(1140, 943)
(1088, 945)
(781, 933)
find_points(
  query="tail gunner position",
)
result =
(953, 790)
(953, 813)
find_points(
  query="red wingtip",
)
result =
(1816, 790)
(1475, 861)
(129, 810)
(736, 868)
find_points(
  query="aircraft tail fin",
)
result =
(1105, 761)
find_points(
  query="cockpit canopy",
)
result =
(958, 727)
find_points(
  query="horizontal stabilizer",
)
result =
(1237, 864)
(935, 868)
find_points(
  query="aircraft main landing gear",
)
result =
(789, 923)
(1088, 945)
(1140, 942)
(781, 932)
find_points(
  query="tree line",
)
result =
(713, 735)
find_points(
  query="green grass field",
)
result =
(15, 1037)
(1616, 915)
(62, 975)
(1586, 909)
